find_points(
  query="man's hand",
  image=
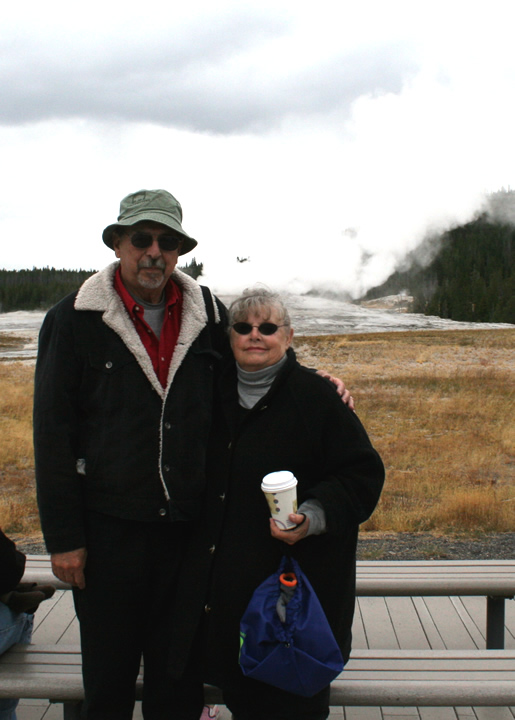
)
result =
(340, 388)
(291, 536)
(69, 567)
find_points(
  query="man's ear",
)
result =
(116, 244)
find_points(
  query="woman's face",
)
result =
(256, 351)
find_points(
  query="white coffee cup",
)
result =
(280, 490)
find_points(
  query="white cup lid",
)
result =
(280, 480)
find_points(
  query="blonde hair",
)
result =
(258, 300)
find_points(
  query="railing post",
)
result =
(495, 623)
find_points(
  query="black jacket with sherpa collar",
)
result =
(107, 435)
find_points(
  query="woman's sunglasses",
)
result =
(266, 328)
(142, 240)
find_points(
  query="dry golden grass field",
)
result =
(438, 405)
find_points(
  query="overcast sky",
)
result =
(321, 140)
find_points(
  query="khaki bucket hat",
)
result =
(157, 205)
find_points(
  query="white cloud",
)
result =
(278, 127)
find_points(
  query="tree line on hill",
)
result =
(466, 274)
(470, 277)
(40, 288)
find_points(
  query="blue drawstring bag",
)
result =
(285, 638)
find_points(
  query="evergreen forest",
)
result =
(470, 277)
(465, 274)
(40, 288)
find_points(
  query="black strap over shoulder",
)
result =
(217, 330)
(208, 302)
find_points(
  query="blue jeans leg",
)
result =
(14, 628)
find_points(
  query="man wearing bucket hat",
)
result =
(122, 408)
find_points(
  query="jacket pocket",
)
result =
(109, 361)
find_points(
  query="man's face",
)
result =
(145, 270)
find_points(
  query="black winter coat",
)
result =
(107, 436)
(301, 425)
(12, 564)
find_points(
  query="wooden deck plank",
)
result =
(363, 713)
(442, 713)
(54, 712)
(71, 635)
(476, 608)
(335, 713)
(46, 607)
(56, 621)
(29, 711)
(400, 713)
(379, 630)
(429, 627)
(454, 634)
(358, 630)
(406, 623)
(473, 628)
(492, 713)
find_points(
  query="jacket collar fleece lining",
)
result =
(97, 293)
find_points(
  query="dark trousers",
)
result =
(248, 699)
(124, 614)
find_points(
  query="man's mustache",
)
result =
(151, 263)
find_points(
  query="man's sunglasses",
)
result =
(266, 328)
(142, 240)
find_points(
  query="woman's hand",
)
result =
(290, 537)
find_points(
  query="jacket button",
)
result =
(168, 425)
(109, 364)
(162, 512)
(207, 608)
(222, 497)
(212, 549)
(166, 468)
